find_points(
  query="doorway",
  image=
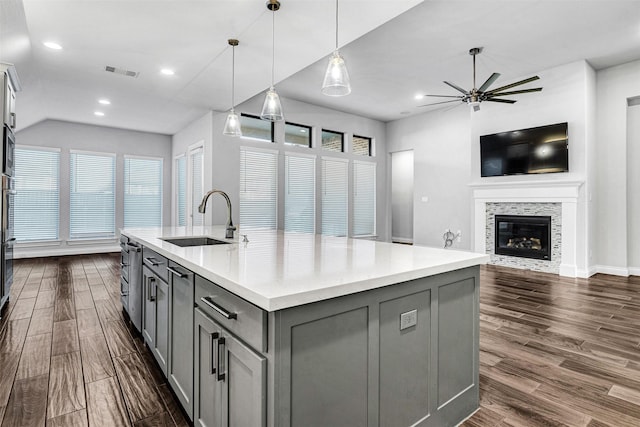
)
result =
(402, 197)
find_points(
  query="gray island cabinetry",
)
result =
(383, 343)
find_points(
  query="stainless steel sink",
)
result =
(194, 241)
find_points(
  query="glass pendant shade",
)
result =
(232, 125)
(336, 79)
(272, 109)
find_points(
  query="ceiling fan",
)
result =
(475, 96)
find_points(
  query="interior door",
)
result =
(402, 196)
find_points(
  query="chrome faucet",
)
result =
(203, 207)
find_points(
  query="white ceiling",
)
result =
(412, 53)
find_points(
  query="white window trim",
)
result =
(94, 153)
(38, 148)
(174, 187)
(190, 150)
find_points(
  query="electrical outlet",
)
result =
(408, 319)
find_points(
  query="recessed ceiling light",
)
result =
(167, 72)
(98, 113)
(52, 45)
(104, 101)
(419, 96)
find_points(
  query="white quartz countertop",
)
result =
(278, 270)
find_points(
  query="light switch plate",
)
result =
(408, 319)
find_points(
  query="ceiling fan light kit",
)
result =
(336, 78)
(272, 108)
(476, 96)
(232, 124)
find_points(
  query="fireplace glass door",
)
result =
(523, 236)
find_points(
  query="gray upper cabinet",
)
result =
(181, 324)
(230, 378)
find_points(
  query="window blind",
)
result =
(196, 159)
(92, 208)
(335, 184)
(300, 194)
(258, 189)
(364, 198)
(142, 192)
(36, 206)
(181, 190)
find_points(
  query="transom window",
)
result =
(254, 127)
(361, 145)
(299, 135)
(332, 140)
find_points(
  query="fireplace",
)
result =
(523, 236)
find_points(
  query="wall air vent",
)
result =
(122, 71)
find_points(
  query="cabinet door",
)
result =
(206, 391)
(161, 350)
(242, 375)
(181, 344)
(149, 307)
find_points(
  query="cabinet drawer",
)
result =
(156, 263)
(244, 319)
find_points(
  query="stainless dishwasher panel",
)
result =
(135, 284)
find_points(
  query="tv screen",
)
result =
(541, 149)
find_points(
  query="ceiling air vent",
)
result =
(122, 71)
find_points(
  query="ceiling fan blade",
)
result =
(506, 101)
(489, 82)
(458, 88)
(446, 96)
(521, 82)
(436, 103)
(515, 92)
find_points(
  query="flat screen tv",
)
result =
(542, 149)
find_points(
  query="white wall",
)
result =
(223, 159)
(633, 190)
(74, 136)
(441, 147)
(402, 196)
(614, 86)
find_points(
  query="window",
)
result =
(255, 128)
(361, 145)
(299, 135)
(181, 191)
(92, 195)
(142, 192)
(258, 189)
(36, 206)
(300, 194)
(196, 160)
(332, 141)
(335, 183)
(364, 198)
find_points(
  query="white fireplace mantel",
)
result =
(564, 192)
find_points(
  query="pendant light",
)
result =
(272, 109)
(336, 79)
(232, 125)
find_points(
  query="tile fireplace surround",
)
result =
(558, 199)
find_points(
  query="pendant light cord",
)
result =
(233, 76)
(336, 24)
(273, 45)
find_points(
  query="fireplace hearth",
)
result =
(523, 236)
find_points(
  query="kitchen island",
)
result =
(296, 329)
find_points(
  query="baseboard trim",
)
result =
(614, 271)
(402, 240)
(634, 271)
(32, 252)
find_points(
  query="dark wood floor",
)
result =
(557, 351)
(554, 351)
(67, 358)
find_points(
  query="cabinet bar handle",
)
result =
(177, 273)
(221, 375)
(224, 313)
(212, 364)
(150, 296)
(154, 262)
